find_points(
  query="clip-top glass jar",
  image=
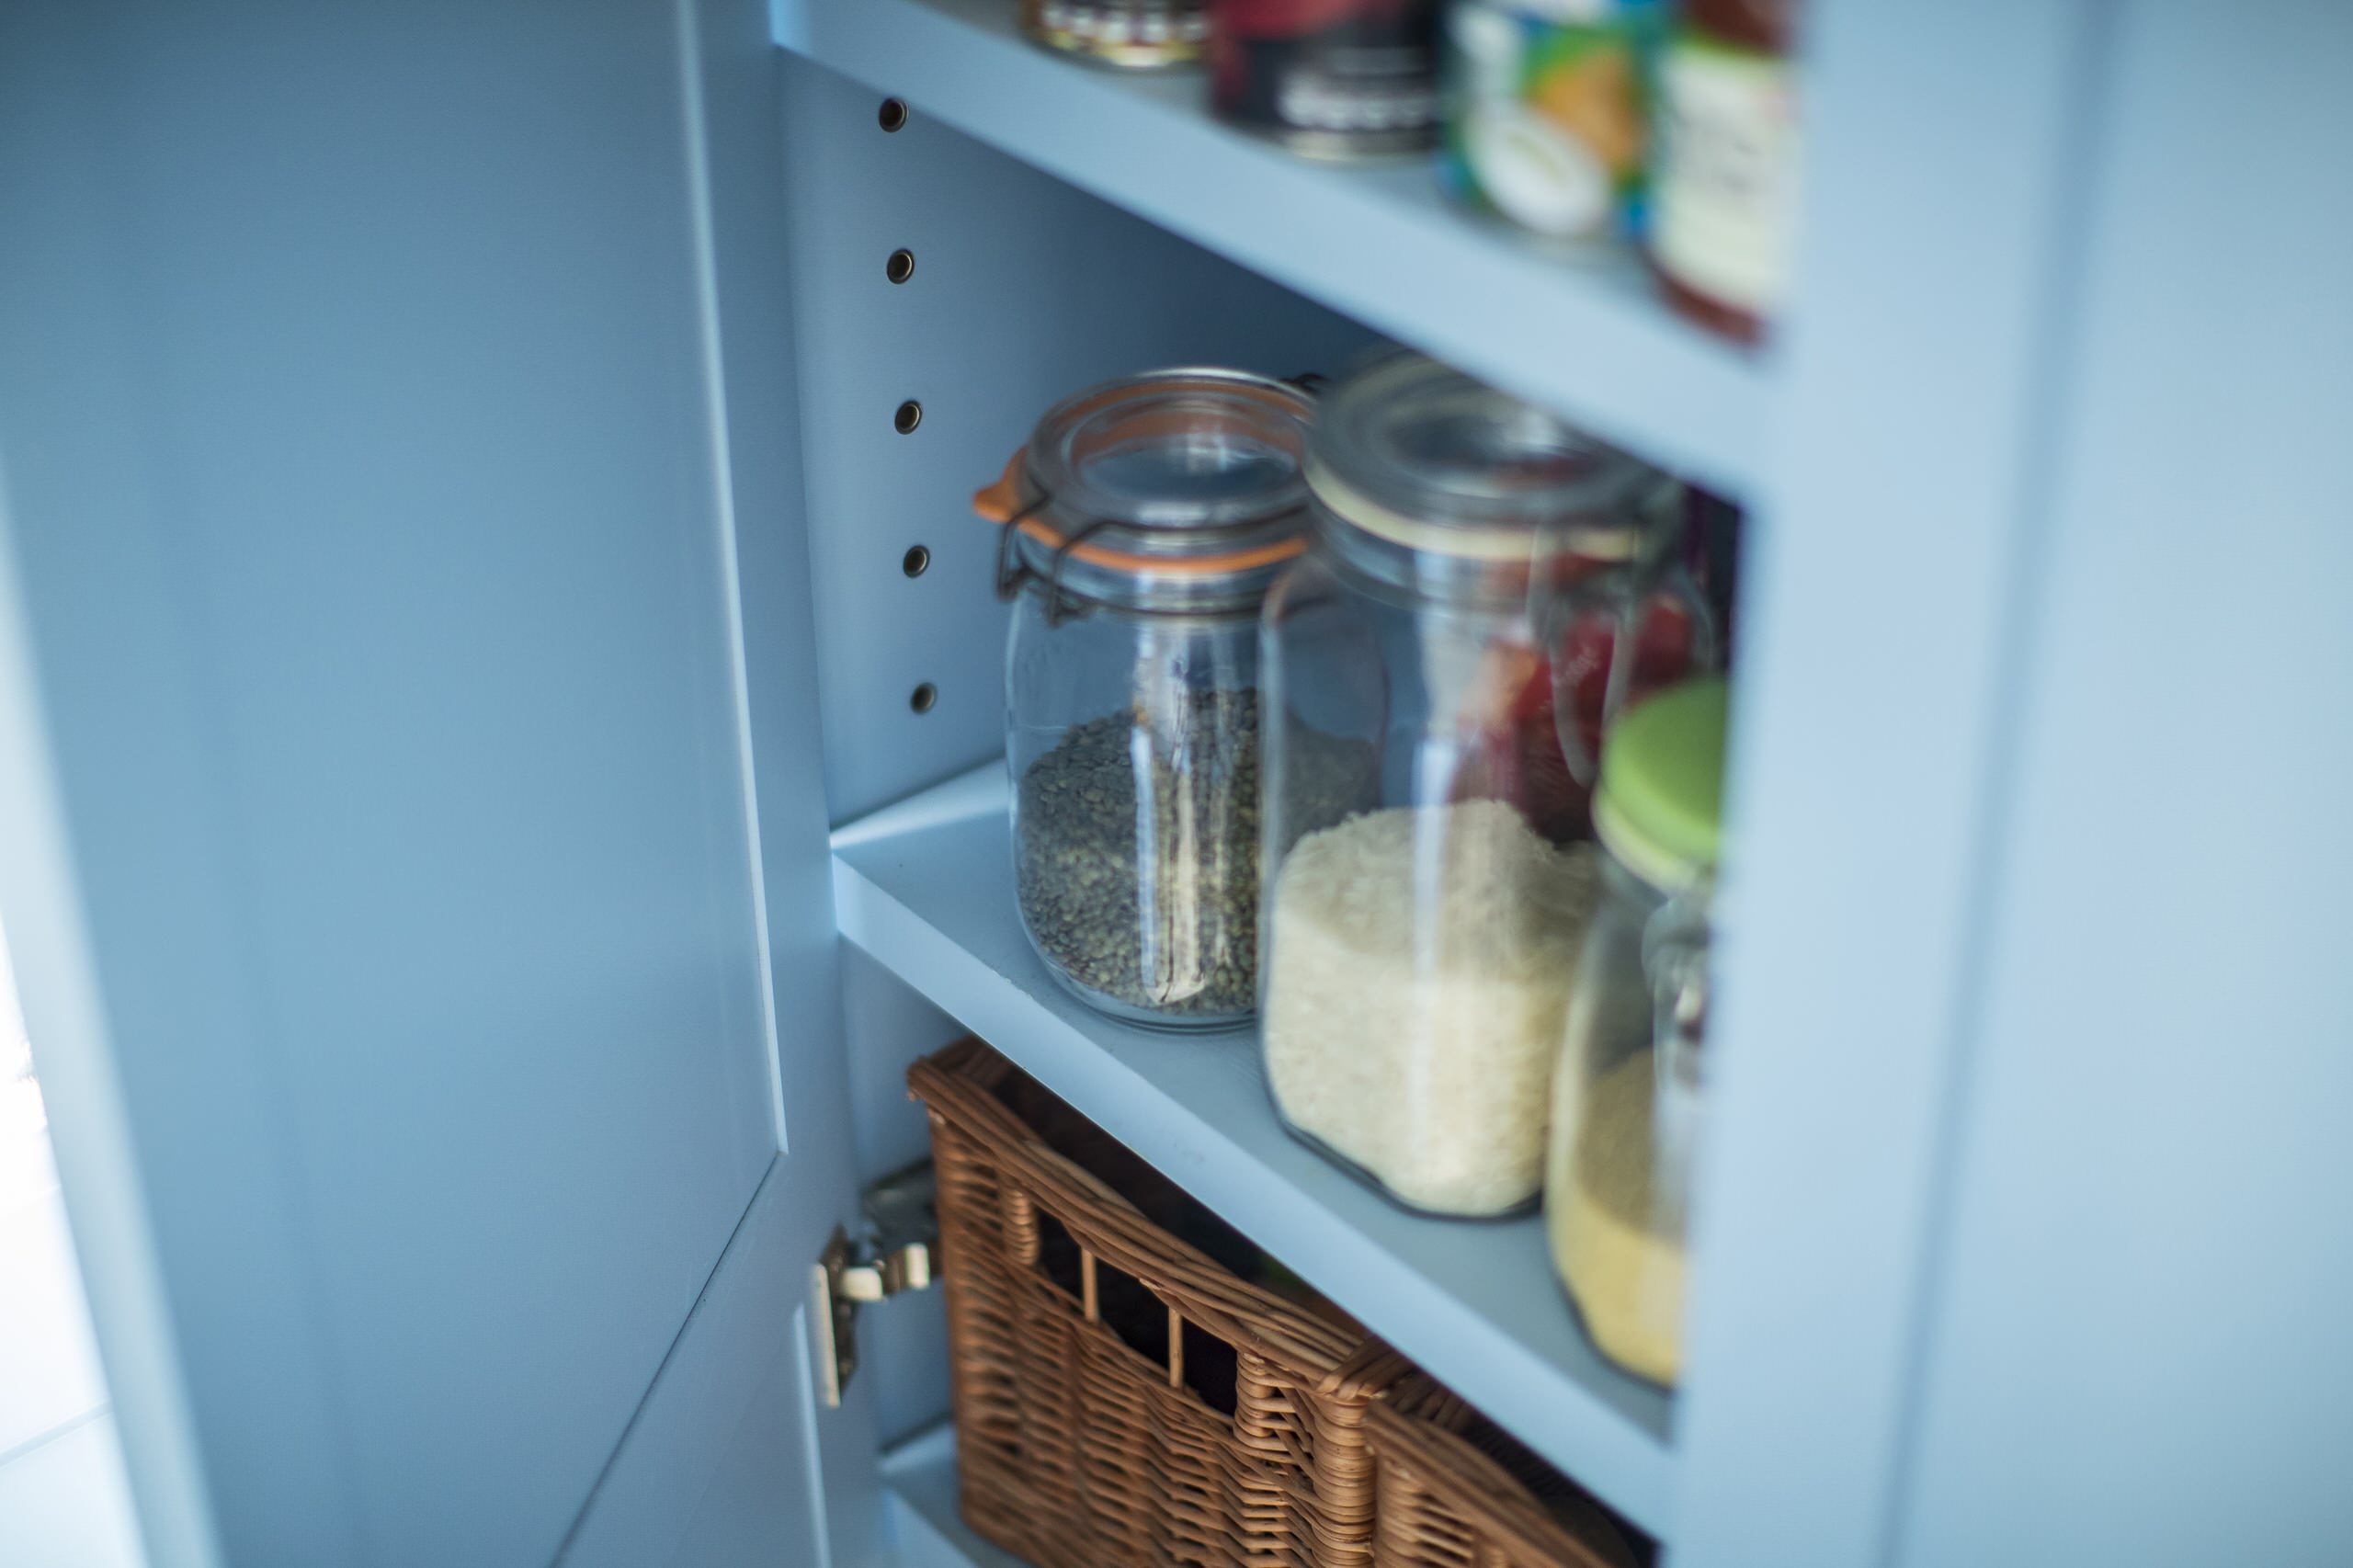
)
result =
(1630, 1086)
(1424, 897)
(1143, 523)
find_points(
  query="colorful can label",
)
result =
(1336, 78)
(1548, 111)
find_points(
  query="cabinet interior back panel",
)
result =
(1023, 290)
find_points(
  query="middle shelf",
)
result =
(925, 887)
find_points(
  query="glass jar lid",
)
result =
(1422, 456)
(1659, 809)
(1174, 490)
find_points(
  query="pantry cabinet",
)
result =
(497, 722)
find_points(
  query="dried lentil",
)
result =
(1136, 856)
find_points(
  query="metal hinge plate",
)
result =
(892, 1252)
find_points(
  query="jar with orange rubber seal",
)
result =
(1143, 522)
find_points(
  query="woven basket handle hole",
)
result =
(1066, 1265)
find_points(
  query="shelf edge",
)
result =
(1509, 314)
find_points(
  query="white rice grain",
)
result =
(1421, 960)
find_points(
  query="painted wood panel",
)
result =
(2136, 1349)
(372, 504)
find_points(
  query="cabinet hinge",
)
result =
(891, 1250)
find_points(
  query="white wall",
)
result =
(64, 1501)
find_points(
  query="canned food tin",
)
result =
(1136, 35)
(1329, 78)
(1547, 111)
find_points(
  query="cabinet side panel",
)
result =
(1878, 619)
(904, 1341)
(2139, 1352)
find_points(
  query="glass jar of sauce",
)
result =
(1724, 198)
(1328, 78)
(1133, 35)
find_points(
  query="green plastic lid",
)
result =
(1660, 806)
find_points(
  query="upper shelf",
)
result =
(1382, 243)
(926, 888)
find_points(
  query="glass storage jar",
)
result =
(1724, 189)
(1343, 79)
(1421, 913)
(1143, 522)
(1628, 1092)
(1134, 35)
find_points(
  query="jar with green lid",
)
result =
(1427, 882)
(1631, 1080)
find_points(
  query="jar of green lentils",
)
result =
(1143, 522)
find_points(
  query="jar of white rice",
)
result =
(1419, 927)
(1421, 963)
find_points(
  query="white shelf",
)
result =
(1588, 338)
(926, 888)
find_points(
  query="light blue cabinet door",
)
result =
(392, 880)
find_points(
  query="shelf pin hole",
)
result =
(900, 267)
(892, 115)
(914, 564)
(910, 414)
(923, 698)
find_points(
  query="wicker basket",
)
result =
(1124, 1396)
(1456, 1488)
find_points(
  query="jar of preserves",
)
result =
(1725, 195)
(1134, 35)
(1328, 78)
(1628, 1094)
(1425, 894)
(1143, 522)
(1625, 620)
